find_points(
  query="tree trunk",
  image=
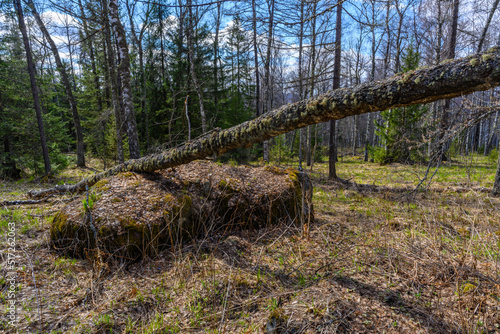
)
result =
(450, 55)
(369, 121)
(301, 83)
(90, 46)
(216, 56)
(137, 39)
(388, 45)
(115, 91)
(440, 33)
(124, 72)
(452, 79)
(398, 36)
(493, 129)
(486, 26)
(312, 77)
(190, 37)
(367, 136)
(496, 186)
(332, 150)
(80, 150)
(34, 86)
(256, 60)
(267, 70)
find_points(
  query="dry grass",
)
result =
(376, 260)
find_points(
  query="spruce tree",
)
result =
(400, 130)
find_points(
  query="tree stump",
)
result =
(133, 215)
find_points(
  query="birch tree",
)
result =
(124, 73)
(190, 36)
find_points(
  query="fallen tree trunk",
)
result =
(444, 81)
(21, 202)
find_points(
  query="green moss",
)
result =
(324, 103)
(275, 170)
(186, 203)
(116, 200)
(417, 80)
(127, 174)
(127, 222)
(104, 231)
(486, 57)
(58, 225)
(171, 207)
(474, 61)
(406, 76)
(312, 106)
(468, 287)
(155, 203)
(100, 184)
(493, 49)
(169, 199)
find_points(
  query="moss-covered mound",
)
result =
(132, 215)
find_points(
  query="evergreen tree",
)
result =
(238, 91)
(20, 149)
(400, 130)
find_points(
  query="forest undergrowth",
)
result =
(377, 259)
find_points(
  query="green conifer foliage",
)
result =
(400, 130)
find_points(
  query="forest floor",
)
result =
(377, 259)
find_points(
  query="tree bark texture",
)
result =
(332, 152)
(34, 86)
(124, 72)
(450, 55)
(80, 150)
(496, 185)
(487, 25)
(194, 76)
(137, 38)
(256, 59)
(90, 46)
(267, 71)
(115, 94)
(444, 81)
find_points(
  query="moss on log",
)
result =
(132, 215)
(444, 81)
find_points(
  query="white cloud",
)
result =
(58, 19)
